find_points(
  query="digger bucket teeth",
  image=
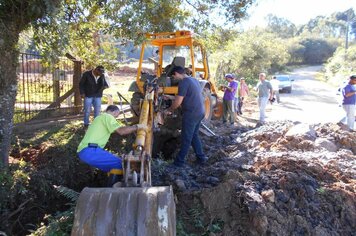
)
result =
(125, 211)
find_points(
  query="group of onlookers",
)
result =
(234, 95)
(237, 91)
(268, 91)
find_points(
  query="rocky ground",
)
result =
(282, 178)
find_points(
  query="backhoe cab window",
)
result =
(170, 52)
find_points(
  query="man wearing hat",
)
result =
(228, 99)
(349, 101)
(91, 88)
(191, 99)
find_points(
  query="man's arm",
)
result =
(176, 103)
(231, 89)
(130, 129)
(349, 94)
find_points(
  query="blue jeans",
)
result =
(350, 115)
(190, 136)
(262, 103)
(88, 102)
(99, 158)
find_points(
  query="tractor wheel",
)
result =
(135, 103)
(208, 105)
(218, 110)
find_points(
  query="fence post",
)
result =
(77, 74)
(76, 78)
(56, 86)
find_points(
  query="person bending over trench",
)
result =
(91, 148)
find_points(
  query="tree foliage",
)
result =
(341, 65)
(250, 53)
(280, 26)
(311, 50)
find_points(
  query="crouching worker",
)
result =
(91, 148)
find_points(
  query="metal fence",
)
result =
(39, 86)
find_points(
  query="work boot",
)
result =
(201, 160)
(178, 164)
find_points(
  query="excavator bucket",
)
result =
(128, 211)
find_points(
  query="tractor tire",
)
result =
(218, 110)
(135, 103)
(208, 105)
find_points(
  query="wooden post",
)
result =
(77, 74)
(76, 78)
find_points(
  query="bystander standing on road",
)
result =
(275, 86)
(191, 98)
(349, 102)
(243, 92)
(91, 86)
(265, 93)
(228, 99)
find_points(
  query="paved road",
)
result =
(311, 101)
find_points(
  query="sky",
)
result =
(296, 11)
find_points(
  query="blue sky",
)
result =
(297, 11)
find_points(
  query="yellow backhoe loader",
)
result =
(133, 206)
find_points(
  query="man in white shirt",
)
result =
(275, 86)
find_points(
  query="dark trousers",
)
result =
(190, 136)
(241, 103)
(228, 111)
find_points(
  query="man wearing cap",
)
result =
(349, 101)
(191, 99)
(91, 88)
(228, 99)
(91, 148)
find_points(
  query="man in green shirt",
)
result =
(91, 148)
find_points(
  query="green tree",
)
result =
(59, 24)
(341, 65)
(250, 53)
(280, 26)
(317, 51)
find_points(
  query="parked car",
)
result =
(285, 83)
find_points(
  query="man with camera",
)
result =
(265, 94)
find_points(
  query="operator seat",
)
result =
(177, 61)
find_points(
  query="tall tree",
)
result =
(60, 18)
(15, 16)
(280, 26)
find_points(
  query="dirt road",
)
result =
(311, 101)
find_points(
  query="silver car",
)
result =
(285, 83)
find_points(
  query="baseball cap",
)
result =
(353, 77)
(230, 76)
(101, 69)
(178, 69)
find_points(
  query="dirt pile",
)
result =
(279, 179)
